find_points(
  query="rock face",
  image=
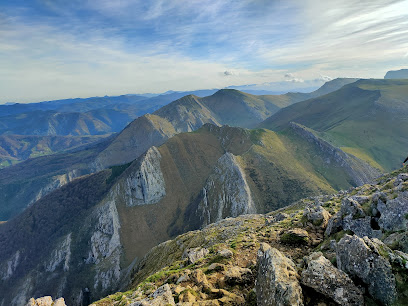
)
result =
(360, 258)
(105, 248)
(60, 255)
(226, 193)
(56, 182)
(394, 213)
(147, 185)
(323, 277)
(7, 270)
(277, 280)
(360, 171)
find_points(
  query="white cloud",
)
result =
(324, 78)
(290, 77)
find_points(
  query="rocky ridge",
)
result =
(304, 254)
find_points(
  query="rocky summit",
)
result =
(340, 249)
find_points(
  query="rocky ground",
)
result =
(345, 249)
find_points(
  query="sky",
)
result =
(54, 49)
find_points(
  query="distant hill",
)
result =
(90, 232)
(16, 148)
(367, 118)
(397, 74)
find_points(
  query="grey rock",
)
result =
(402, 177)
(226, 193)
(350, 207)
(146, 185)
(162, 296)
(281, 216)
(323, 277)
(394, 240)
(361, 199)
(193, 255)
(225, 253)
(394, 213)
(334, 225)
(360, 258)
(317, 215)
(361, 227)
(277, 279)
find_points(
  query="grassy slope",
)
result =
(16, 148)
(20, 183)
(367, 118)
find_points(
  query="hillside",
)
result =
(17, 148)
(367, 118)
(397, 74)
(46, 123)
(24, 183)
(345, 249)
(99, 226)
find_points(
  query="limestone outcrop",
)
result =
(323, 277)
(361, 258)
(277, 281)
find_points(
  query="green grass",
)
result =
(366, 118)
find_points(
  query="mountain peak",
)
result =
(397, 74)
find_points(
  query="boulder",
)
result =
(394, 213)
(225, 253)
(349, 206)
(277, 279)
(361, 227)
(317, 215)
(238, 276)
(295, 236)
(162, 296)
(360, 258)
(323, 277)
(194, 255)
(334, 225)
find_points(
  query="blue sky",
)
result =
(52, 49)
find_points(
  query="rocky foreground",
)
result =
(345, 249)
